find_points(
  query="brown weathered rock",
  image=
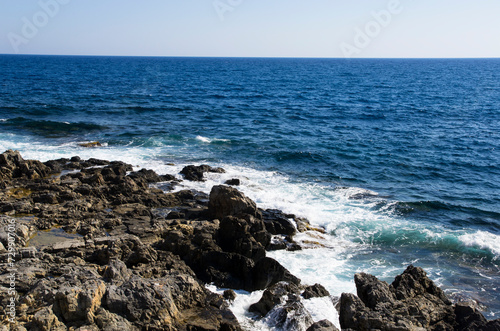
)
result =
(213, 316)
(145, 302)
(90, 144)
(46, 320)
(116, 272)
(79, 302)
(108, 321)
(12, 165)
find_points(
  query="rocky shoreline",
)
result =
(122, 251)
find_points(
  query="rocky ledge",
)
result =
(122, 251)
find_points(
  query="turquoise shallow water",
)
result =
(398, 159)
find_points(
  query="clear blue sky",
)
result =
(267, 28)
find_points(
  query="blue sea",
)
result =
(398, 159)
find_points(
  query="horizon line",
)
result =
(260, 57)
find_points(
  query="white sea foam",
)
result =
(322, 308)
(483, 240)
(204, 139)
(210, 140)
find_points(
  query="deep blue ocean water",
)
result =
(399, 159)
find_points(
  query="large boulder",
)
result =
(228, 201)
(411, 302)
(145, 301)
(174, 302)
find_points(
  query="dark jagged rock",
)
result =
(278, 223)
(195, 173)
(229, 295)
(372, 291)
(413, 283)
(268, 271)
(148, 175)
(228, 270)
(55, 166)
(273, 296)
(411, 302)
(228, 201)
(315, 291)
(379, 307)
(232, 182)
(236, 235)
(469, 319)
(232, 253)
